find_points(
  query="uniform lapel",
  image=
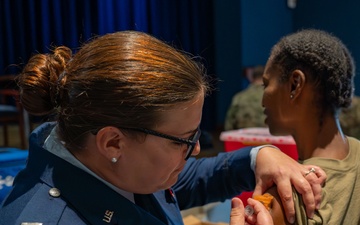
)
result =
(150, 204)
(96, 202)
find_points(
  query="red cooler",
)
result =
(255, 136)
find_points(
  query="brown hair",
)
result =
(122, 79)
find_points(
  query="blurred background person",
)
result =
(350, 118)
(245, 109)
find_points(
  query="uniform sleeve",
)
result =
(214, 179)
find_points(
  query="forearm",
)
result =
(215, 179)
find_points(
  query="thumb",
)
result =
(237, 212)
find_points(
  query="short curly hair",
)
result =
(326, 60)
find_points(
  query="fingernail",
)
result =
(235, 204)
(318, 206)
(312, 215)
(292, 220)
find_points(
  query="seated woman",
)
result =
(307, 80)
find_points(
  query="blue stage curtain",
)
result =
(32, 26)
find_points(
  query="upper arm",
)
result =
(277, 211)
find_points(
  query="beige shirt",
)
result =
(341, 193)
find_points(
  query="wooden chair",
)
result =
(12, 112)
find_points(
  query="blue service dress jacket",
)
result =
(52, 191)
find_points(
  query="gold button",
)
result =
(54, 192)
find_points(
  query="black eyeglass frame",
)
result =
(191, 142)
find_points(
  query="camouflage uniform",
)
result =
(350, 119)
(246, 109)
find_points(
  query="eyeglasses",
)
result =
(191, 142)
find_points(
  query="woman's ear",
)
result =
(108, 141)
(297, 82)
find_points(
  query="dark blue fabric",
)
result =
(224, 176)
(32, 26)
(86, 200)
(35, 26)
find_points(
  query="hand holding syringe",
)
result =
(265, 199)
(256, 212)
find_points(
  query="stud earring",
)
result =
(291, 96)
(114, 160)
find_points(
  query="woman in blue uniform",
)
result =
(127, 111)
